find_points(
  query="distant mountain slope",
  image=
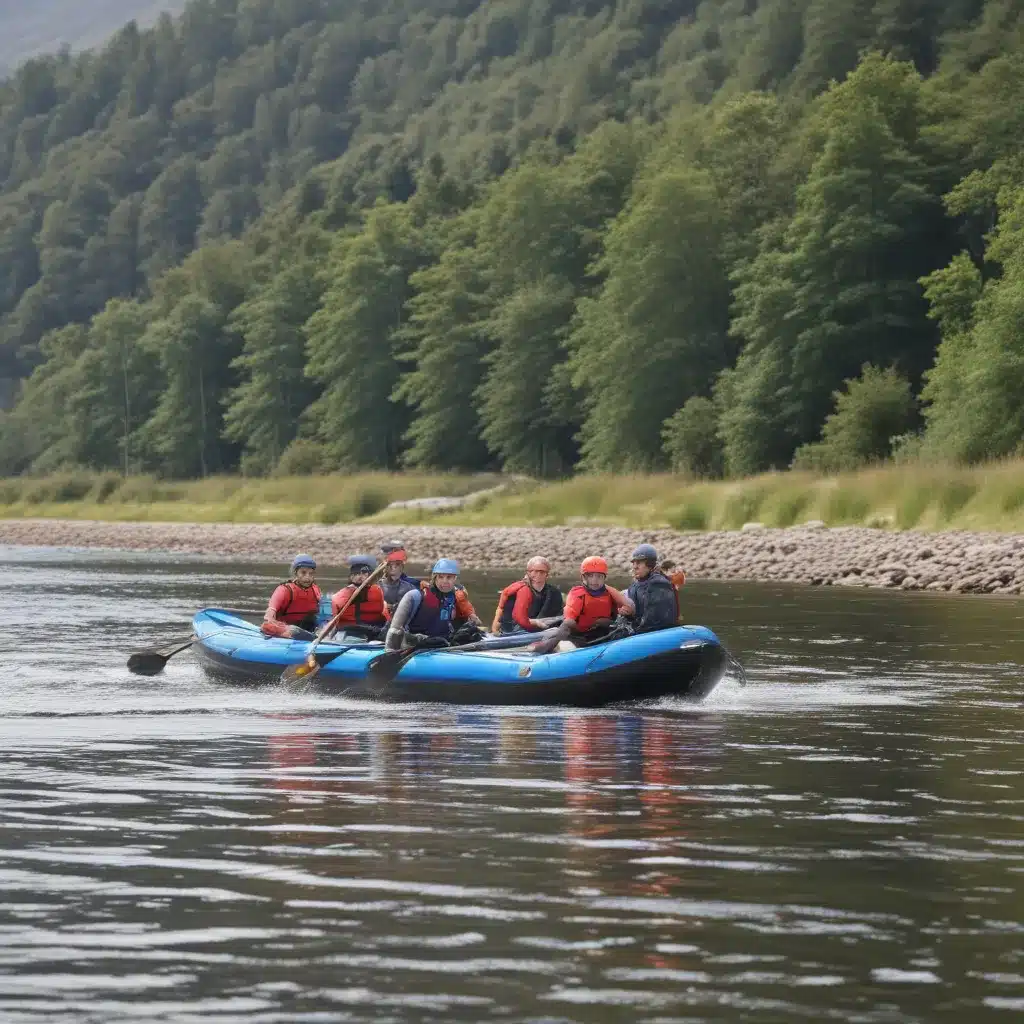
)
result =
(30, 27)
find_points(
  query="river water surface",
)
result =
(843, 839)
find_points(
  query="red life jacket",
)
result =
(302, 603)
(595, 606)
(367, 609)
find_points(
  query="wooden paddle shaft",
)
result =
(372, 578)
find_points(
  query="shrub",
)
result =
(301, 458)
(874, 409)
(690, 439)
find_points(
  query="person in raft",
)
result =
(293, 607)
(653, 593)
(590, 607)
(365, 615)
(530, 604)
(430, 615)
(396, 584)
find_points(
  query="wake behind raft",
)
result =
(684, 661)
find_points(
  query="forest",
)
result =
(714, 237)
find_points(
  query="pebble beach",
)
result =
(955, 561)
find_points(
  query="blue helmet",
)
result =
(303, 562)
(645, 553)
(446, 566)
(362, 563)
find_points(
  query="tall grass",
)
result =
(305, 499)
(899, 497)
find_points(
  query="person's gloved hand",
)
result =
(621, 628)
(298, 633)
(467, 634)
(423, 641)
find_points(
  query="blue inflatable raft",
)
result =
(686, 661)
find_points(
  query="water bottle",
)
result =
(325, 614)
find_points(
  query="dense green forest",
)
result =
(718, 236)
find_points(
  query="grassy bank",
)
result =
(322, 499)
(982, 498)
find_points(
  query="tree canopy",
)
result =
(534, 235)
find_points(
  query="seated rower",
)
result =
(366, 613)
(530, 604)
(653, 593)
(590, 607)
(395, 584)
(435, 610)
(394, 550)
(293, 607)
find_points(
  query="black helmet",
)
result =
(362, 563)
(645, 553)
(387, 546)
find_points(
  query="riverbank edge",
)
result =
(954, 561)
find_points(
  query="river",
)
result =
(842, 839)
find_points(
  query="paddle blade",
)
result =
(302, 673)
(147, 663)
(151, 663)
(386, 666)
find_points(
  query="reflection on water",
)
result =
(840, 840)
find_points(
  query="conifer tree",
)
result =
(263, 412)
(656, 333)
(353, 342)
(841, 287)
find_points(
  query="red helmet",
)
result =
(395, 556)
(595, 563)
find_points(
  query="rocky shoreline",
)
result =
(956, 561)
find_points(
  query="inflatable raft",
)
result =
(686, 661)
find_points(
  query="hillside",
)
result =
(526, 234)
(44, 26)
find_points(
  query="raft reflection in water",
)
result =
(603, 789)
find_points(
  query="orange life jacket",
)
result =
(367, 609)
(595, 606)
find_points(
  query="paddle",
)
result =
(309, 668)
(386, 666)
(152, 662)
